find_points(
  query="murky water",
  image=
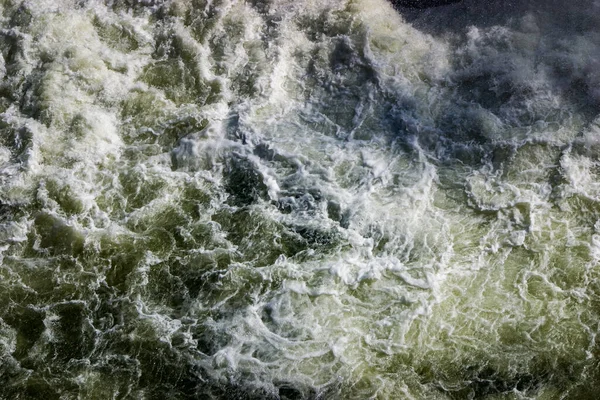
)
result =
(276, 199)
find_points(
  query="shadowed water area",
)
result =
(276, 199)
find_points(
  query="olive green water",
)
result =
(299, 200)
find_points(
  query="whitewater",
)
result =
(282, 199)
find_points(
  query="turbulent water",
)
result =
(283, 199)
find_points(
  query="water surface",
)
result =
(274, 199)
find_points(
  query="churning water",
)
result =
(283, 199)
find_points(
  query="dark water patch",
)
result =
(180, 84)
(17, 139)
(422, 4)
(122, 259)
(165, 288)
(33, 388)
(66, 197)
(486, 382)
(244, 182)
(119, 36)
(56, 236)
(295, 391)
(134, 6)
(350, 62)
(29, 323)
(263, 151)
(10, 211)
(196, 271)
(73, 336)
(176, 71)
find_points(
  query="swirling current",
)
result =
(282, 199)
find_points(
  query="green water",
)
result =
(299, 200)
